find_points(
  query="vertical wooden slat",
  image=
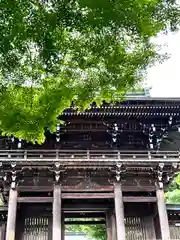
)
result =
(137, 228)
(149, 227)
(36, 228)
(50, 228)
(174, 231)
(11, 220)
(119, 211)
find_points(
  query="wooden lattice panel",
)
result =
(136, 229)
(174, 232)
(36, 228)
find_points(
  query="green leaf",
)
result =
(55, 52)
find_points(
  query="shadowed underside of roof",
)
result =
(172, 143)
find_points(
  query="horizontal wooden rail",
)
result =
(85, 196)
(79, 161)
(139, 199)
(80, 155)
(84, 222)
(71, 189)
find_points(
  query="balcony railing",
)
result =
(89, 155)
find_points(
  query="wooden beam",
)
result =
(85, 196)
(67, 196)
(67, 189)
(145, 188)
(139, 199)
(72, 214)
(95, 189)
(35, 188)
(87, 206)
(35, 199)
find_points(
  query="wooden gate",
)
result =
(139, 228)
(36, 228)
(34, 222)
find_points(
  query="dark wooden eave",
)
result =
(146, 107)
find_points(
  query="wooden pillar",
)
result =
(12, 210)
(119, 211)
(163, 217)
(57, 213)
(109, 225)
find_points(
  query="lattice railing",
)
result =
(80, 155)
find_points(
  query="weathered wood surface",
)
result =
(139, 229)
(119, 212)
(174, 231)
(86, 196)
(102, 188)
(163, 217)
(12, 211)
(35, 228)
(57, 215)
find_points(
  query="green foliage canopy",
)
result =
(173, 195)
(95, 232)
(54, 52)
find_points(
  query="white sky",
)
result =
(165, 78)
